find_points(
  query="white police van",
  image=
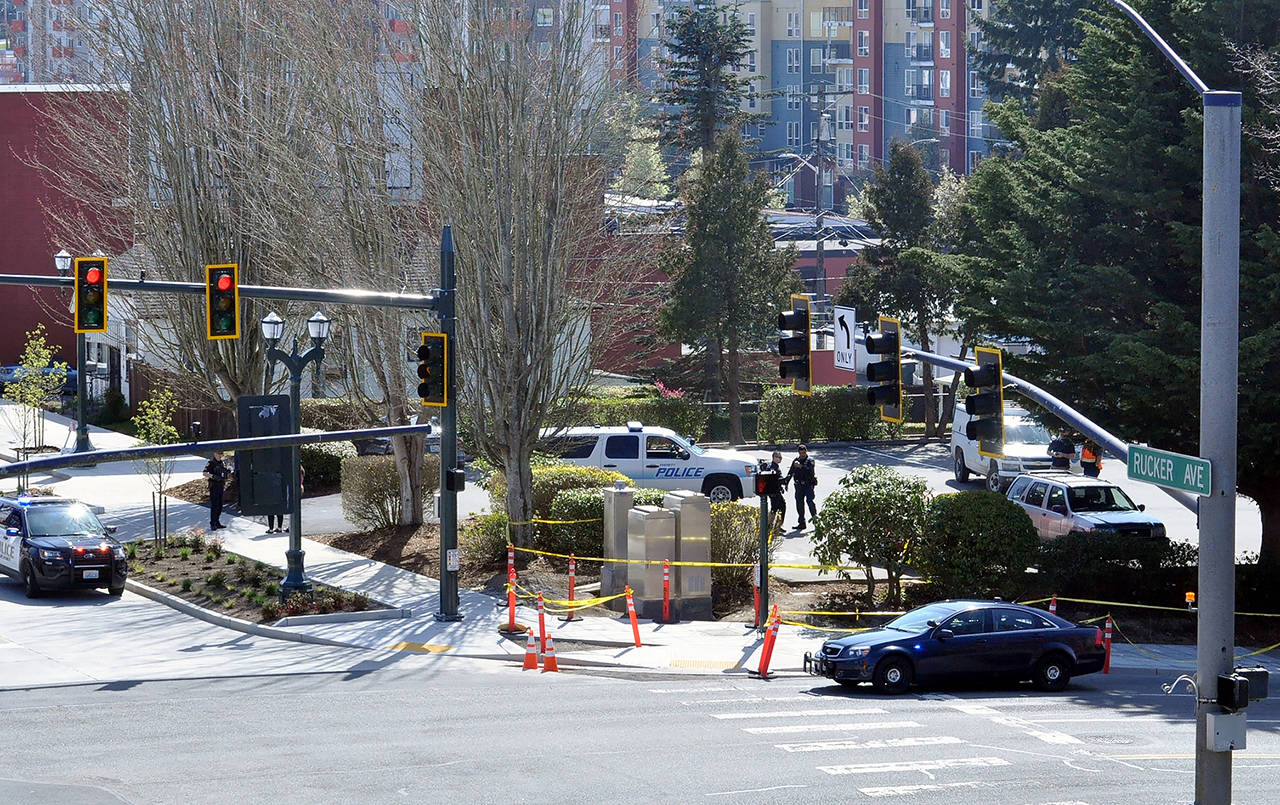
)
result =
(657, 457)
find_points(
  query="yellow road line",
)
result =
(426, 648)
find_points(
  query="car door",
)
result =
(964, 654)
(667, 462)
(1015, 640)
(10, 521)
(1057, 517)
(1033, 504)
(622, 454)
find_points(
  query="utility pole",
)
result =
(820, 152)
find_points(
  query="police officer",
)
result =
(777, 503)
(216, 473)
(804, 474)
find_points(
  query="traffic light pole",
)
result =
(82, 394)
(448, 513)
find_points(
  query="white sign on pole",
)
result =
(845, 321)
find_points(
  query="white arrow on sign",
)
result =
(845, 320)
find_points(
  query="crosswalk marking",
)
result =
(803, 728)
(887, 743)
(798, 697)
(920, 788)
(914, 765)
(852, 711)
(690, 690)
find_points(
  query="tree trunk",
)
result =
(949, 404)
(1265, 492)
(714, 387)
(519, 497)
(926, 377)
(733, 359)
(408, 450)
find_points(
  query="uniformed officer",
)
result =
(216, 473)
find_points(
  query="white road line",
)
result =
(1026, 726)
(751, 790)
(852, 711)
(802, 728)
(1092, 720)
(914, 765)
(887, 743)
(799, 697)
(690, 690)
(912, 790)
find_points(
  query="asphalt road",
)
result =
(447, 730)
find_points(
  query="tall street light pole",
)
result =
(295, 580)
(62, 260)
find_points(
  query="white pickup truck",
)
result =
(1026, 446)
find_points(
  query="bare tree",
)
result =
(514, 123)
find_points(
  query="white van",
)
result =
(1026, 449)
(657, 457)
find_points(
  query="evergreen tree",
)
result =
(1022, 42)
(703, 93)
(1088, 241)
(726, 275)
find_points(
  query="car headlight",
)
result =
(855, 651)
(1157, 530)
(118, 550)
(749, 469)
(50, 556)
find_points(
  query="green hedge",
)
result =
(485, 538)
(834, 413)
(684, 415)
(735, 538)
(331, 413)
(323, 462)
(586, 504)
(975, 544)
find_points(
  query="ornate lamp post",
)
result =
(295, 580)
(62, 260)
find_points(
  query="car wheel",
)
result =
(1052, 673)
(29, 584)
(961, 469)
(993, 478)
(115, 592)
(893, 675)
(720, 489)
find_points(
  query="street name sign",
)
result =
(845, 320)
(1170, 470)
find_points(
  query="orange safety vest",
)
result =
(1087, 456)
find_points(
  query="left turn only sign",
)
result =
(844, 320)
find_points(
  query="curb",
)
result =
(343, 617)
(228, 622)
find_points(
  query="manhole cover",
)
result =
(1110, 740)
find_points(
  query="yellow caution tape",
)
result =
(553, 522)
(804, 625)
(557, 605)
(1144, 606)
(673, 563)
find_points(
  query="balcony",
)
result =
(602, 32)
(921, 53)
(923, 16)
(921, 92)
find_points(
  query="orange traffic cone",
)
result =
(531, 653)
(549, 659)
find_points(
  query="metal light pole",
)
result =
(295, 580)
(447, 313)
(62, 260)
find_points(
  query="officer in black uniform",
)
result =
(777, 503)
(804, 476)
(216, 472)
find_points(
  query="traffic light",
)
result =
(985, 403)
(432, 364)
(886, 373)
(91, 295)
(222, 301)
(794, 348)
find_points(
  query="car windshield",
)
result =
(1099, 499)
(1025, 432)
(917, 620)
(687, 443)
(62, 521)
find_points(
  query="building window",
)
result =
(864, 156)
(760, 127)
(864, 43)
(975, 87)
(845, 121)
(975, 40)
(617, 53)
(864, 81)
(944, 44)
(975, 159)
(944, 9)
(793, 24)
(793, 60)
(816, 56)
(975, 123)
(655, 21)
(543, 16)
(944, 120)
(846, 152)
(793, 133)
(911, 9)
(944, 83)
(844, 79)
(976, 5)
(944, 156)
(751, 62)
(910, 76)
(813, 131)
(910, 44)
(864, 9)
(751, 23)
(793, 96)
(864, 118)
(751, 101)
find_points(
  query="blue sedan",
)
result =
(963, 640)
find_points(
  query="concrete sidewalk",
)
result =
(693, 647)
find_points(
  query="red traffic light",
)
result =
(93, 276)
(224, 282)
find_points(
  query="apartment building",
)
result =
(44, 45)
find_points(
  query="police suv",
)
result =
(56, 543)
(657, 457)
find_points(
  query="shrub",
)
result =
(216, 579)
(647, 496)
(371, 488)
(872, 519)
(1093, 565)
(186, 585)
(215, 546)
(322, 462)
(583, 538)
(270, 611)
(735, 538)
(485, 538)
(684, 414)
(184, 554)
(298, 604)
(975, 544)
(196, 541)
(835, 413)
(331, 413)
